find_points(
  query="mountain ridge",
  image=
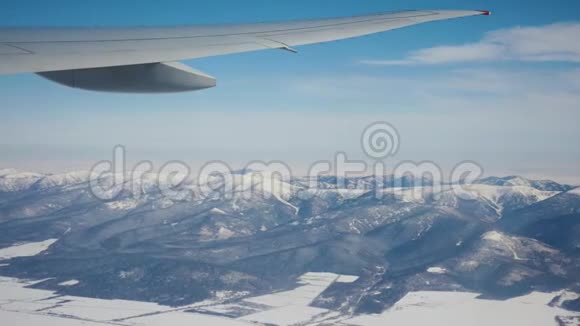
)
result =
(495, 242)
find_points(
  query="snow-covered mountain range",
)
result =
(512, 237)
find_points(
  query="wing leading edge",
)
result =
(31, 50)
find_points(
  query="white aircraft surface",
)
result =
(145, 59)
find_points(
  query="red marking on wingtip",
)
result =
(485, 12)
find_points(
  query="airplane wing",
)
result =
(144, 59)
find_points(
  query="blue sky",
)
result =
(511, 108)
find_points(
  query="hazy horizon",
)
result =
(501, 90)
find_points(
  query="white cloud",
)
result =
(555, 43)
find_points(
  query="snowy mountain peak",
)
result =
(4, 172)
(513, 181)
(12, 180)
(63, 179)
(493, 236)
(575, 191)
(18, 181)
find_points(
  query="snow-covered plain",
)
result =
(347, 279)
(22, 306)
(292, 307)
(456, 308)
(25, 250)
(287, 315)
(313, 284)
